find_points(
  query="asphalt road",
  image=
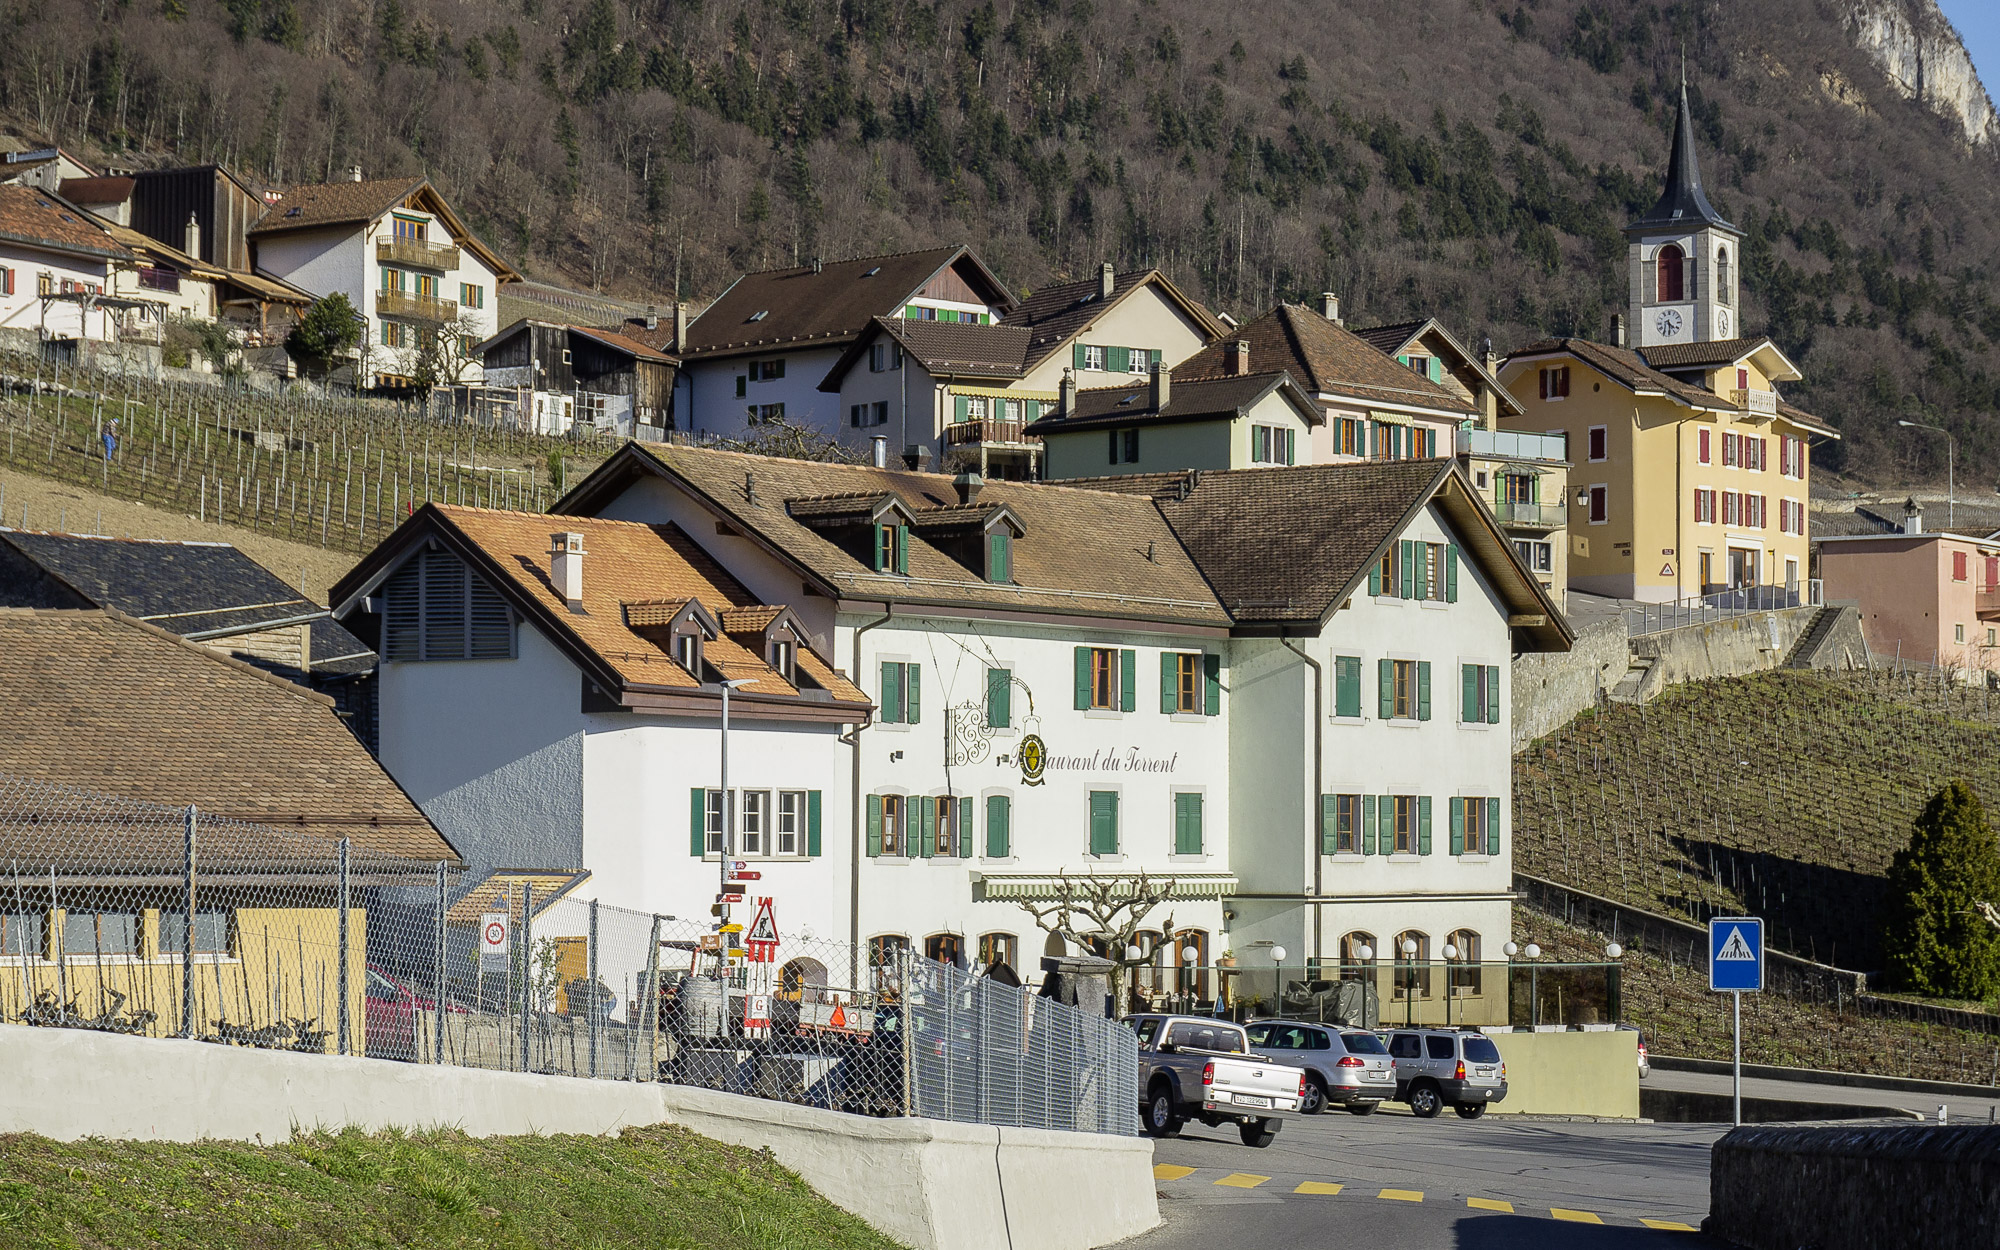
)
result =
(1962, 1108)
(1395, 1181)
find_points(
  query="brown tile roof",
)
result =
(1393, 338)
(1084, 552)
(823, 306)
(961, 347)
(1695, 355)
(624, 343)
(1627, 368)
(1387, 339)
(334, 204)
(1800, 417)
(1056, 313)
(33, 216)
(100, 701)
(1325, 359)
(1197, 399)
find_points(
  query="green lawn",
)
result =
(660, 1188)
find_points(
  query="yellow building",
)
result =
(1689, 473)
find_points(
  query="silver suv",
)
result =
(1347, 1068)
(1434, 1067)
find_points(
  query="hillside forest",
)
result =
(1471, 159)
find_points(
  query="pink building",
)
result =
(1928, 597)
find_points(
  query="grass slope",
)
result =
(660, 1188)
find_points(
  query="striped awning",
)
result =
(1044, 887)
(1001, 392)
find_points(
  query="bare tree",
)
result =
(792, 441)
(1106, 912)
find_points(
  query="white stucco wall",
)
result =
(710, 386)
(23, 309)
(1145, 318)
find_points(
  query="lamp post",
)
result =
(1409, 949)
(728, 809)
(1534, 952)
(1510, 950)
(1613, 1004)
(1950, 468)
(1189, 954)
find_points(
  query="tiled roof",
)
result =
(334, 204)
(961, 347)
(1055, 313)
(1800, 417)
(1392, 336)
(1695, 355)
(1627, 368)
(826, 305)
(1325, 359)
(1084, 552)
(31, 215)
(624, 343)
(100, 701)
(1194, 400)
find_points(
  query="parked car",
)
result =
(1348, 1068)
(390, 1010)
(1645, 1062)
(1436, 1067)
(1201, 1068)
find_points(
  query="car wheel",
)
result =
(1425, 1101)
(1161, 1118)
(1258, 1133)
(1470, 1110)
(1362, 1108)
(1315, 1100)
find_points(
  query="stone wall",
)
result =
(1856, 1188)
(1550, 690)
(1735, 647)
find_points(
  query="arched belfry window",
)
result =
(1722, 274)
(1672, 264)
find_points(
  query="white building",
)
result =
(401, 256)
(60, 272)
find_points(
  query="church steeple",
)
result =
(1683, 201)
(1682, 256)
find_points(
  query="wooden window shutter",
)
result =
(1076, 357)
(881, 551)
(903, 549)
(1170, 683)
(1211, 677)
(996, 826)
(926, 826)
(1493, 826)
(1406, 558)
(1032, 410)
(812, 822)
(958, 407)
(1347, 685)
(874, 826)
(1103, 822)
(1451, 573)
(698, 822)
(1329, 824)
(1375, 579)
(892, 693)
(1187, 824)
(1493, 694)
(1458, 826)
(1118, 359)
(1424, 824)
(1385, 688)
(1367, 824)
(999, 698)
(1468, 692)
(1423, 689)
(1128, 680)
(1082, 679)
(913, 706)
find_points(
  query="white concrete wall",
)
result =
(710, 386)
(1145, 318)
(323, 262)
(23, 309)
(1162, 448)
(913, 398)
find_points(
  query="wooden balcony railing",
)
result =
(415, 253)
(403, 304)
(990, 431)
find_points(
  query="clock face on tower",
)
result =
(1722, 322)
(1668, 323)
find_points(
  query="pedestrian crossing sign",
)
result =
(1735, 953)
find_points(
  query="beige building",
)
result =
(1924, 598)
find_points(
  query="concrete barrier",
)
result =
(931, 1184)
(1856, 1188)
(1594, 1074)
(1686, 1106)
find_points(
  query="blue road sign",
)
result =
(1735, 953)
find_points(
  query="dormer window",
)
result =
(892, 549)
(687, 649)
(1000, 558)
(782, 655)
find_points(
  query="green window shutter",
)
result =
(698, 825)
(881, 555)
(1403, 361)
(1493, 694)
(1408, 559)
(999, 558)
(1082, 678)
(1424, 824)
(1385, 688)
(1493, 826)
(1451, 573)
(913, 707)
(1103, 822)
(1367, 824)
(958, 406)
(996, 825)
(1329, 824)
(812, 823)
(1211, 676)
(892, 693)
(1118, 359)
(1076, 357)
(1374, 578)
(1032, 409)
(1128, 680)
(999, 698)
(1468, 692)
(1437, 369)
(874, 826)
(903, 549)
(1187, 824)
(926, 826)
(1388, 806)
(1347, 685)
(1424, 691)
(1458, 826)
(1170, 680)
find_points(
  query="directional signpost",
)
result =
(1736, 964)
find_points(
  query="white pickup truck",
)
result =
(1200, 1068)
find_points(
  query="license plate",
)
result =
(1374, 1076)
(1250, 1100)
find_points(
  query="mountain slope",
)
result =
(1472, 159)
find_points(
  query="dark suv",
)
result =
(1434, 1067)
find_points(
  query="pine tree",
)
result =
(1936, 941)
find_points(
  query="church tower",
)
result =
(1683, 257)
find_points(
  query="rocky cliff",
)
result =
(1924, 60)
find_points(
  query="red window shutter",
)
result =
(1742, 379)
(1958, 566)
(1562, 379)
(1545, 383)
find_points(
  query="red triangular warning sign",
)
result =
(763, 929)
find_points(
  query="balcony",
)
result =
(423, 308)
(416, 254)
(1756, 403)
(1986, 601)
(988, 432)
(1512, 445)
(1532, 516)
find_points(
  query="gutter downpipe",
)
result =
(1312, 806)
(853, 739)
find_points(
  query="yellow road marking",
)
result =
(1243, 1180)
(1490, 1204)
(1577, 1217)
(1170, 1171)
(1670, 1226)
(1402, 1195)
(1317, 1187)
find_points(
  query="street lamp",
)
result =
(728, 807)
(1409, 949)
(1190, 970)
(1534, 952)
(1613, 977)
(1510, 950)
(1950, 469)
(1450, 955)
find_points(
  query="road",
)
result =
(1391, 1181)
(1961, 1108)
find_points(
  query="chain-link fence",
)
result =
(159, 921)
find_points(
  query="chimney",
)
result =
(354, 173)
(968, 485)
(1913, 516)
(1066, 394)
(680, 325)
(1329, 306)
(566, 568)
(652, 317)
(917, 458)
(192, 239)
(1236, 359)
(1163, 386)
(1618, 329)
(1107, 279)
(879, 457)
